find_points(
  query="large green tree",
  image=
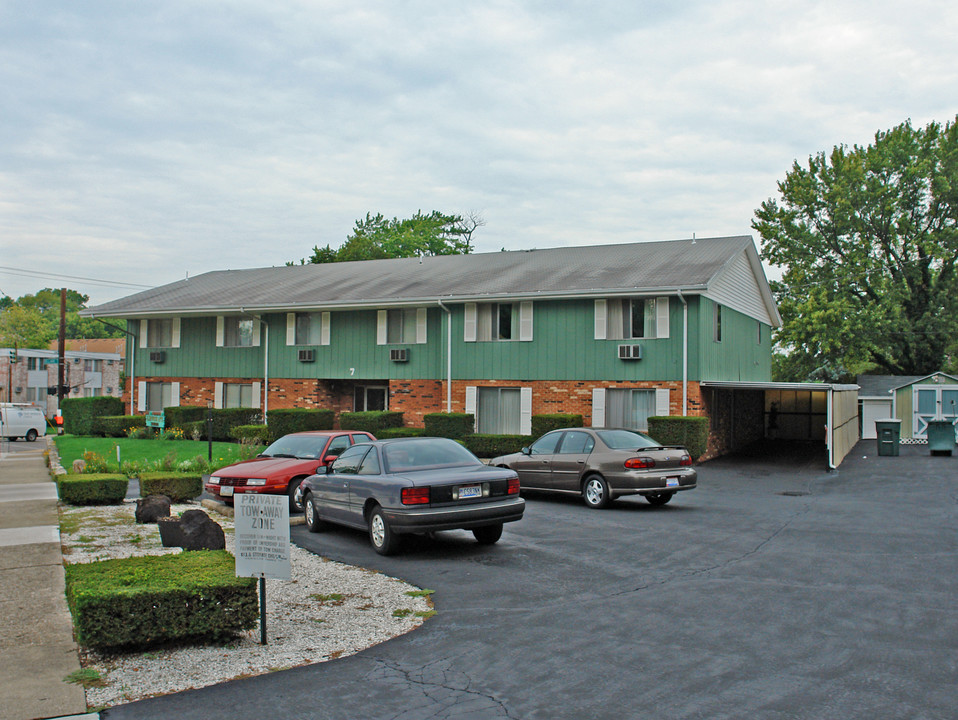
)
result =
(34, 320)
(867, 239)
(375, 237)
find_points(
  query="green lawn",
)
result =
(148, 452)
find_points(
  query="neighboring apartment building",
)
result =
(616, 332)
(29, 379)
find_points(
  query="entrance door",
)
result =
(932, 401)
(370, 398)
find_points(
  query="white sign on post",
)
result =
(261, 523)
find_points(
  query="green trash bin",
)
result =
(941, 436)
(889, 434)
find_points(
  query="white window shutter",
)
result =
(471, 394)
(381, 319)
(324, 329)
(141, 394)
(256, 331)
(420, 326)
(290, 328)
(220, 330)
(525, 327)
(218, 395)
(662, 402)
(470, 323)
(598, 407)
(257, 400)
(601, 322)
(144, 338)
(525, 410)
(662, 317)
(175, 394)
(176, 332)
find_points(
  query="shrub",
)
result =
(117, 425)
(487, 446)
(541, 424)
(92, 488)
(178, 416)
(177, 486)
(371, 421)
(226, 418)
(290, 420)
(154, 600)
(399, 432)
(690, 432)
(195, 430)
(93, 462)
(450, 425)
(250, 434)
(79, 413)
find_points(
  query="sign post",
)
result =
(261, 524)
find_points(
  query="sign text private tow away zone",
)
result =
(262, 536)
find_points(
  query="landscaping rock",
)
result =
(200, 532)
(152, 508)
(79, 466)
(171, 532)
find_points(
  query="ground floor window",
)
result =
(499, 411)
(159, 395)
(238, 395)
(629, 408)
(370, 398)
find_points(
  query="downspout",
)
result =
(265, 361)
(448, 356)
(830, 429)
(685, 353)
(132, 361)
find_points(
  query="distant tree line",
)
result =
(33, 321)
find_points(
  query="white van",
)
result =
(22, 420)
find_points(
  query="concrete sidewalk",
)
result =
(36, 632)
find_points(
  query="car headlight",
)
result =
(214, 480)
(256, 482)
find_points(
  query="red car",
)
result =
(280, 468)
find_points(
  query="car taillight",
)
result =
(638, 463)
(686, 461)
(415, 496)
(512, 488)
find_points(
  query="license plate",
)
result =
(470, 491)
(226, 491)
(671, 482)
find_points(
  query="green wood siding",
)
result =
(739, 356)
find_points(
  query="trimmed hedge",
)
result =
(177, 486)
(195, 428)
(79, 413)
(488, 446)
(153, 600)
(178, 416)
(690, 432)
(255, 434)
(541, 424)
(399, 433)
(226, 418)
(449, 425)
(290, 420)
(117, 425)
(374, 421)
(92, 488)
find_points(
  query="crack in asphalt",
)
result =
(449, 694)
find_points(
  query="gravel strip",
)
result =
(325, 611)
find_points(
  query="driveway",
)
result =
(774, 590)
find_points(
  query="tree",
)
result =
(38, 318)
(376, 238)
(867, 238)
(23, 328)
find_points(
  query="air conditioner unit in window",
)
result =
(157, 356)
(630, 352)
(399, 355)
(306, 356)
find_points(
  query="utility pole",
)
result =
(61, 347)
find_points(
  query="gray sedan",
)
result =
(602, 464)
(411, 485)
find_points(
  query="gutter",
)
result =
(448, 355)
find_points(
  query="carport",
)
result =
(744, 413)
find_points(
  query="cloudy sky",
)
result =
(143, 141)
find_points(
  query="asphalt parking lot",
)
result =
(774, 590)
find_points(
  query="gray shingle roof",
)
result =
(567, 271)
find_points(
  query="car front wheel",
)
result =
(294, 507)
(489, 534)
(383, 540)
(596, 492)
(313, 522)
(31, 435)
(659, 498)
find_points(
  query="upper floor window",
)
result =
(485, 322)
(401, 326)
(717, 323)
(90, 365)
(159, 333)
(631, 318)
(32, 363)
(307, 328)
(237, 331)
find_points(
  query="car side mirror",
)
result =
(329, 459)
(526, 451)
(321, 470)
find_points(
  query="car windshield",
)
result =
(426, 454)
(296, 446)
(626, 439)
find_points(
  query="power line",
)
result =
(54, 276)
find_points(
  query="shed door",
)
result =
(931, 402)
(873, 410)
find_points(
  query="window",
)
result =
(159, 333)
(348, 462)
(576, 443)
(307, 328)
(92, 365)
(238, 332)
(368, 398)
(717, 323)
(499, 411)
(158, 396)
(239, 395)
(32, 363)
(546, 445)
(631, 318)
(370, 463)
(401, 326)
(629, 408)
(487, 322)
(758, 323)
(337, 445)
